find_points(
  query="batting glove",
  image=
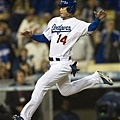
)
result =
(74, 68)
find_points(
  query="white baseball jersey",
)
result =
(63, 34)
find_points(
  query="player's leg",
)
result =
(51, 77)
(41, 88)
(67, 88)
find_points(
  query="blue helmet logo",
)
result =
(70, 4)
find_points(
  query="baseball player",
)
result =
(63, 32)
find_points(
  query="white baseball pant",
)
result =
(58, 74)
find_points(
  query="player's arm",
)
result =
(98, 16)
(94, 25)
(36, 37)
(39, 38)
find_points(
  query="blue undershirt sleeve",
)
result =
(39, 38)
(93, 26)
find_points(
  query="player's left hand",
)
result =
(100, 15)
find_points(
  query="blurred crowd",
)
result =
(18, 52)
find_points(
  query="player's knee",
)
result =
(64, 93)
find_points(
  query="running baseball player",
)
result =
(63, 32)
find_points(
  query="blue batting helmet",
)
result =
(70, 4)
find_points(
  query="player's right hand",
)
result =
(27, 33)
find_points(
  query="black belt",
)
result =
(57, 59)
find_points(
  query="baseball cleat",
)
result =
(106, 79)
(15, 117)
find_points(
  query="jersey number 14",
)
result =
(62, 39)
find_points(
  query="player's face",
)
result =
(63, 13)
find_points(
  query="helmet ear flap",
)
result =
(71, 9)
